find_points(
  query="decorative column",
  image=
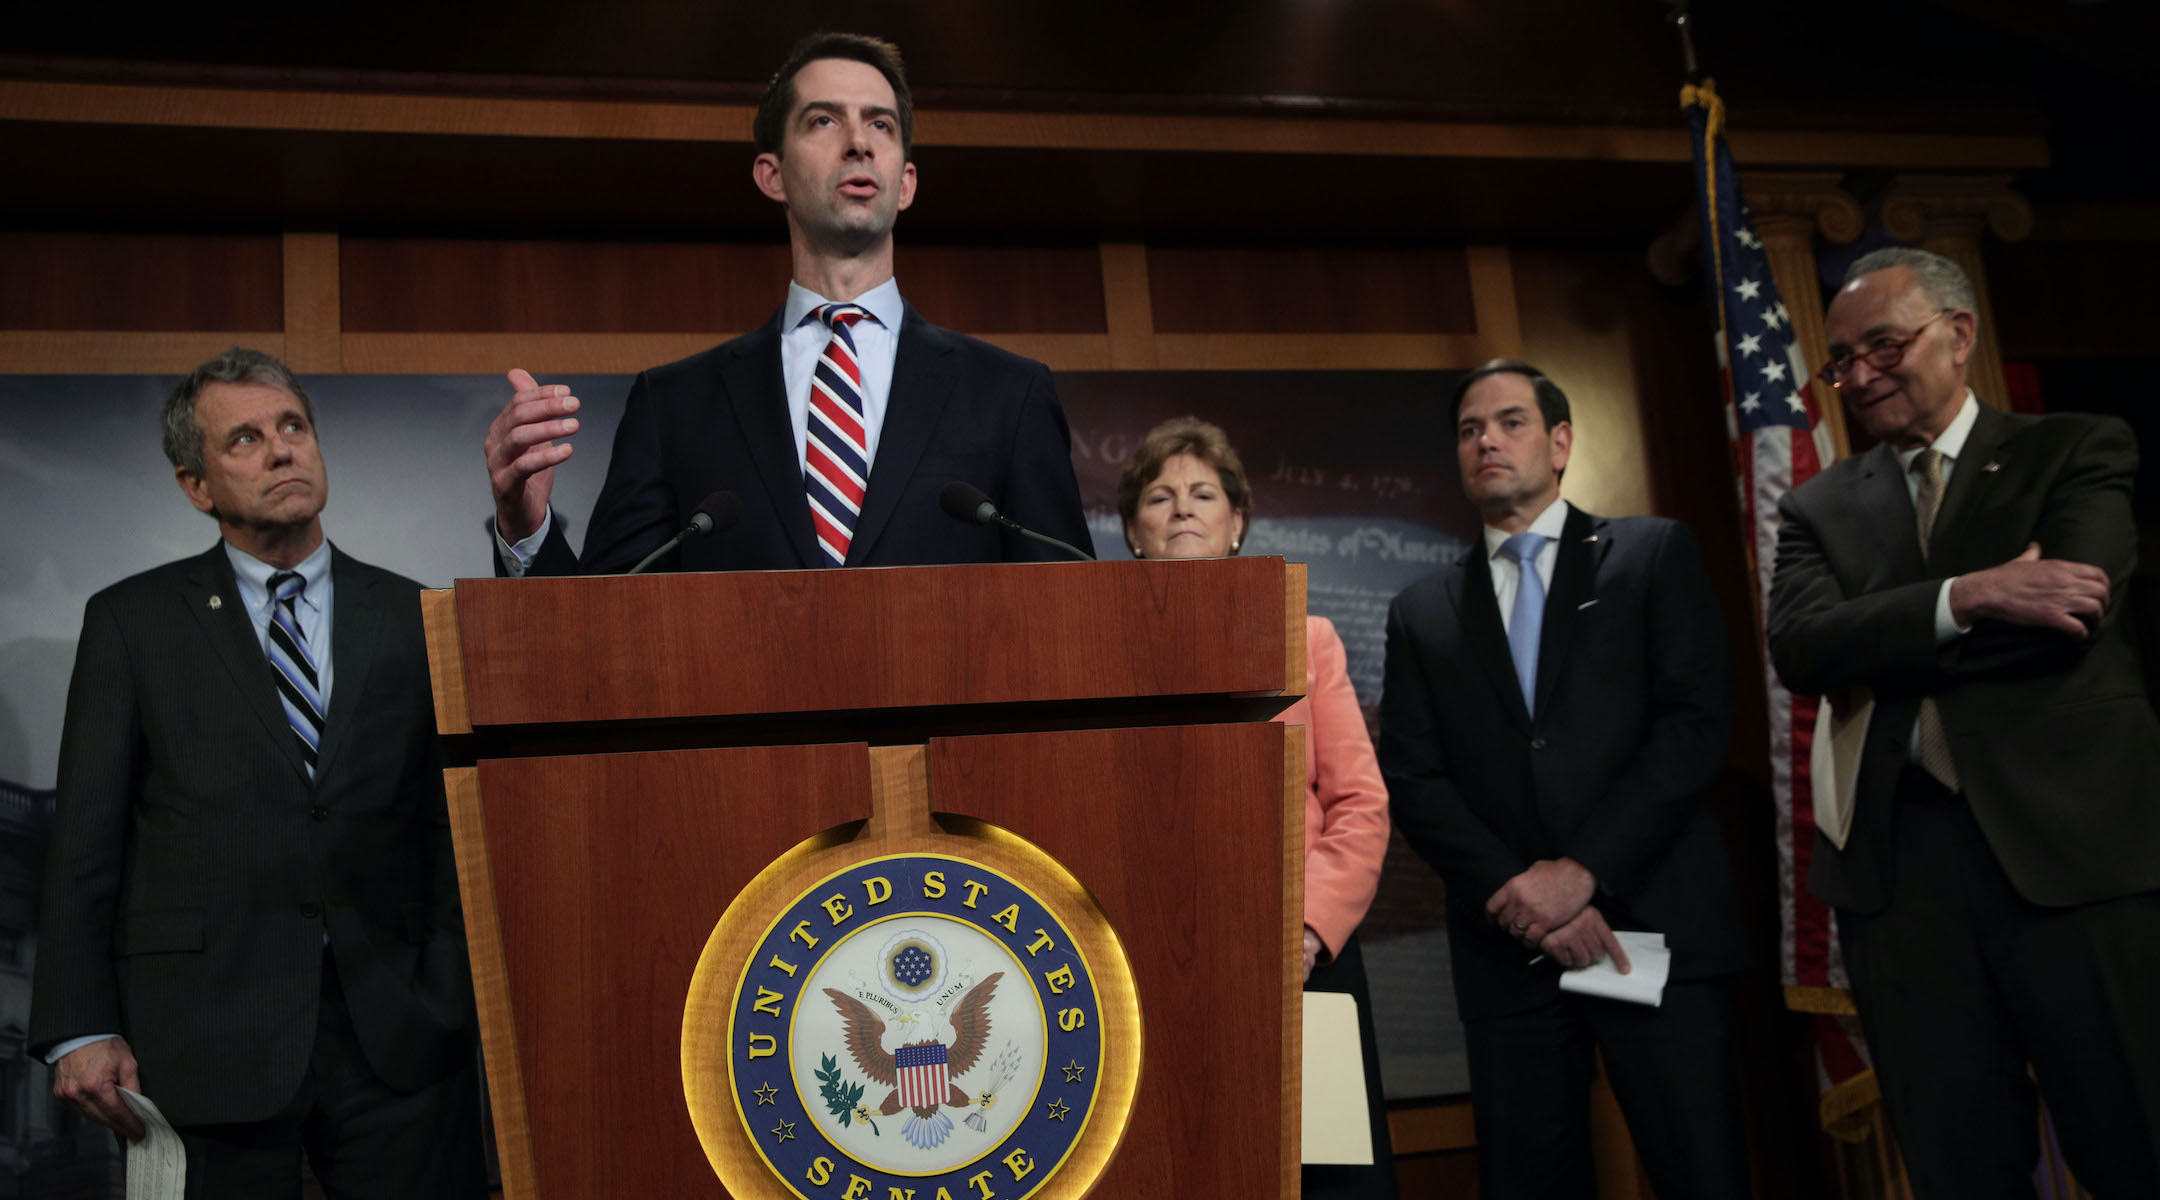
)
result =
(1948, 214)
(1787, 209)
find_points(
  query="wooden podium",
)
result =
(630, 756)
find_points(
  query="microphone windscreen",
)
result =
(963, 501)
(717, 512)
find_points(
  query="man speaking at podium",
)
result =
(839, 421)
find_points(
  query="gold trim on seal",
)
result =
(756, 912)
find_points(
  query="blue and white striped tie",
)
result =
(298, 688)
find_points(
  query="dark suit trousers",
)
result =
(1961, 983)
(1674, 1069)
(363, 1140)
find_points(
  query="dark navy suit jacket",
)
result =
(1634, 706)
(958, 409)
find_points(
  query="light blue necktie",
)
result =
(1528, 619)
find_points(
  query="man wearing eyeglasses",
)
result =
(1998, 889)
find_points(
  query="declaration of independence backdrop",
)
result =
(1352, 473)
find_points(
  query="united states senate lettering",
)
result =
(917, 1027)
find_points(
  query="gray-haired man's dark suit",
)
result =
(195, 873)
(2017, 920)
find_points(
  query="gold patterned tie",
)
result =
(1934, 743)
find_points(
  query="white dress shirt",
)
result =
(1507, 575)
(877, 345)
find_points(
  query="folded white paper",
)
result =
(1841, 729)
(1649, 962)
(156, 1165)
(1336, 1128)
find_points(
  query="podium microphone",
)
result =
(716, 513)
(963, 501)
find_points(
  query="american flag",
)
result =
(922, 1074)
(1778, 443)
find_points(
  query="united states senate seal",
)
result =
(920, 1026)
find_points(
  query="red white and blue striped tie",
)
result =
(836, 454)
(294, 667)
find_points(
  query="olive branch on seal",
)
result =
(843, 1100)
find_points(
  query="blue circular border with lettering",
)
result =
(794, 1146)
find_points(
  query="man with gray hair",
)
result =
(250, 909)
(1998, 882)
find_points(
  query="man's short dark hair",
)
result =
(1551, 401)
(769, 128)
(184, 434)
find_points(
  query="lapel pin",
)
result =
(216, 603)
(1590, 539)
(1990, 467)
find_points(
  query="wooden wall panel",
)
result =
(416, 285)
(141, 281)
(1005, 289)
(1310, 289)
(461, 285)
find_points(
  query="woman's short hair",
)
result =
(1203, 440)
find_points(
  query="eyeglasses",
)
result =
(1882, 355)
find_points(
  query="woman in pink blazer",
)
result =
(1183, 494)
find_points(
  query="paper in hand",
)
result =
(156, 1165)
(1649, 963)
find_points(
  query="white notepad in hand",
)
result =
(156, 1165)
(1650, 963)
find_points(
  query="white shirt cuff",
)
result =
(71, 1045)
(1946, 626)
(518, 559)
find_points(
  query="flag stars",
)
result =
(1749, 289)
(1750, 344)
(1782, 315)
(1746, 237)
(1753, 402)
(1797, 404)
(1774, 371)
(1774, 317)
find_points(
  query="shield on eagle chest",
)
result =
(921, 1071)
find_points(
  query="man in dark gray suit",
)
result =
(1998, 892)
(1556, 707)
(250, 906)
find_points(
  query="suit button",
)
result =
(319, 812)
(1537, 743)
(310, 911)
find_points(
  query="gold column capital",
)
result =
(1801, 204)
(1934, 208)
